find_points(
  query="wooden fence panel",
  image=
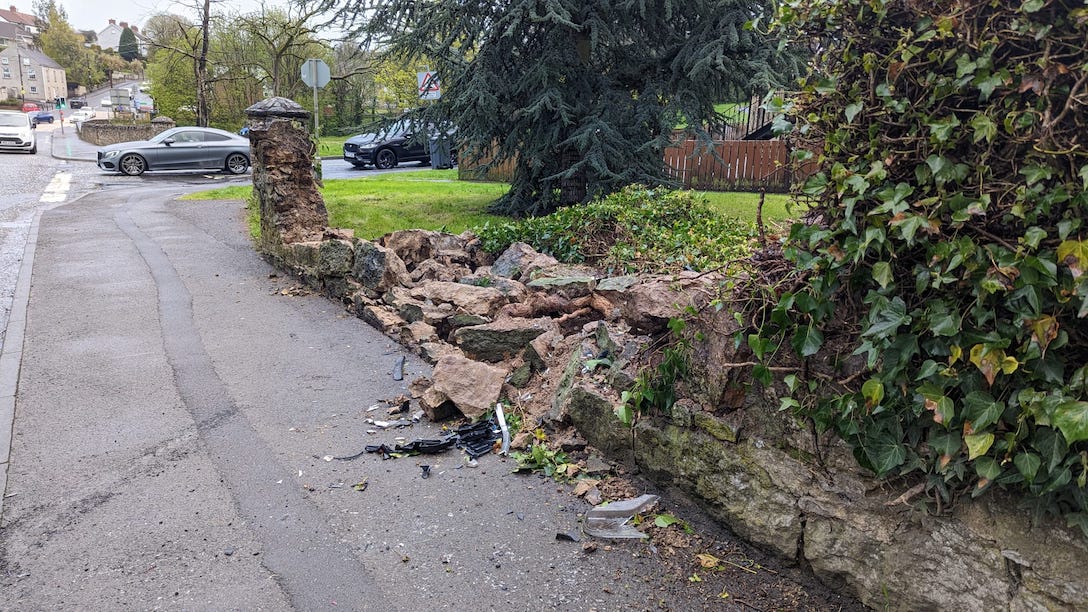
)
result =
(740, 165)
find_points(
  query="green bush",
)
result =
(949, 249)
(636, 229)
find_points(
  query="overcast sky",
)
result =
(95, 14)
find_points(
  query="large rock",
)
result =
(335, 258)
(378, 268)
(475, 300)
(415, 246)
(647, 303)
(519, 261)
(502, 339)
(472, 386)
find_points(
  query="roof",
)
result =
(11, 31)
(35, 56)
(14, 16)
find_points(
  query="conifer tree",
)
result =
(127, 47)
(582, 95)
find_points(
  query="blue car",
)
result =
(42, 117)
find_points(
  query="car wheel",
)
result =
(385, 159)
(132, 164)
(237, 163)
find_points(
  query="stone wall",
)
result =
(101, 132)
(524, 318)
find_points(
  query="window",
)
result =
(33, 89)
(3, 61)
(31, 74)
(7, 72)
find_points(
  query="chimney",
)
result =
(113, 22)
(123, 24)
(13, 9)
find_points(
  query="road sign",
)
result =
(315, 73)
(430, 88)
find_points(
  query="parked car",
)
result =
(42, 117)
(389, 146)
(81, 115)
(77, 103)
(30, 106)
(17, 132)
(180, 148)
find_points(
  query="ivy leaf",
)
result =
(852, 110)
(1032, 6)
(873, 392)
(990, 360)
(1043, 330)
(984, 128)
(886, 455)
(1028, 464)
(1072, 419)
(981, 410)
(978, 444)
(664, 520)
(1074, 254)
(882, 274)
(807, 340)
(1033, 236)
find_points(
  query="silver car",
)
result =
(180, 148)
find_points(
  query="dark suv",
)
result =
(387, 147)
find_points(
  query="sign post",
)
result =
(315, 73)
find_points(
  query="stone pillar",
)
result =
(291, 207)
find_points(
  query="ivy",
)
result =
(948, 172)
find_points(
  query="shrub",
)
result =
(952, 192)
(636, 229)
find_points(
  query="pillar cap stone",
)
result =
(277, 107)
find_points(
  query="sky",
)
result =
(95, 14)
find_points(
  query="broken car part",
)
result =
(610, 520)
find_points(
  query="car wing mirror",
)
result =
(168, 141)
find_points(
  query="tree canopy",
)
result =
(127, 47)
(581, 95)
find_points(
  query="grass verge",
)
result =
(436, 200)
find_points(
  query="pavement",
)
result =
(69, 146)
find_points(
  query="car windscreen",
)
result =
(13, 120)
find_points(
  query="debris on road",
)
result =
(398, 368)
(610, 520)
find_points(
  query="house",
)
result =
(30, 75)
(11, 34)
(27, 22)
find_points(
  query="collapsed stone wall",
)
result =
(562, 342)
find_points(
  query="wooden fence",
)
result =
(741, 165)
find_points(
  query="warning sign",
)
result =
(430, 88)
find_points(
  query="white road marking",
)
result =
(57, 190)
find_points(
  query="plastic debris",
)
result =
(398, 368)
(426, 471)
(610, 520)
(501, 418)
(389, 424)
(568, 536)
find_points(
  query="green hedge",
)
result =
(949, 248)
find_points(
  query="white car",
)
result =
(17, 132)
(81, 115)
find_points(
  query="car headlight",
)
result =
(110, 154)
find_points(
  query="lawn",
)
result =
(436, 200)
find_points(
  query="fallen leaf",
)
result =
(708, 561)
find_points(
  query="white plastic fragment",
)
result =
(501, 418)
(610, 520)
